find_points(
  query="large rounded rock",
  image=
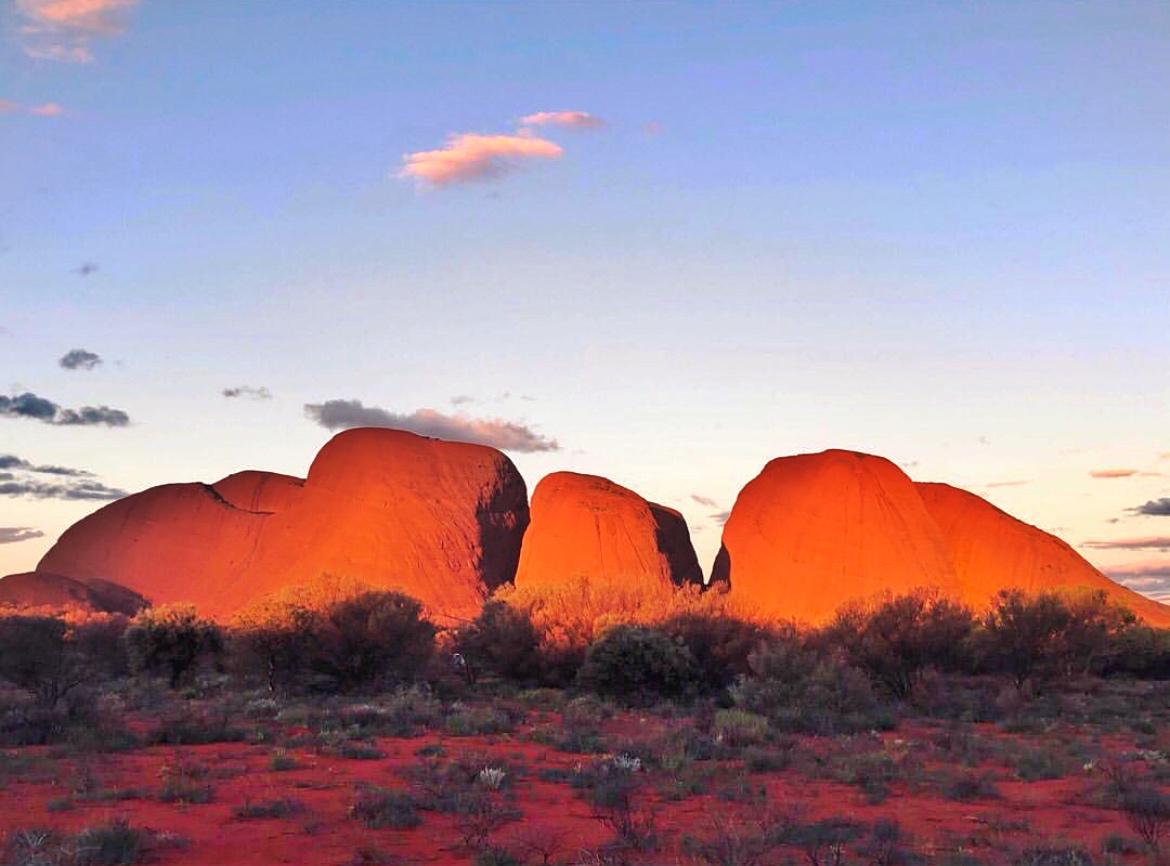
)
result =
(440, 521)
(38, 589)
(814, 531)
(991, 550)
(584, 526)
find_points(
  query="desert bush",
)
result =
(736, 728)
(1053, 856)
(379, 808)
(893, 640)
(376, 636)
(1148, 811)
(806, 690)
(1140, 651)
(824, 842)
(273, 638)
(968, 785)
(503, 641)
(282, 807)
(38, 654)
(887, 845)
(467, 721)
(635, 664)
(171, 639)
(495, 855)
(1045, 635)
(719, 645)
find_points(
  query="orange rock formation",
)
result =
(441, 521)
(991, 550)
(815, 530)
(43, 590)
(586, 526)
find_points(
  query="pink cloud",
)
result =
(49, 109)
(7, 106)
(62, 29)
(470, 156)
(1155, 543)
(1113, 473)
(1017, 483)
(574, 119)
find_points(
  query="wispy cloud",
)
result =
(7, 106)
(470, 156)
(506, 435)
(572, 119)
(86, 268)
(1016, 483)
(68, 490)
(64, 30)
(1155, 508)
(14, 534)
(1150, 578)
(49, 109)
(80, 359)
(29, 405)
(11, 461)
(249, 392)
(704, 500)
(1113, 473)
(721, 517)
(1156, 543)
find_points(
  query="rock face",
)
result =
(815, 530)
(441, 521)
(584, 525)
(992, 550)
(44, 590)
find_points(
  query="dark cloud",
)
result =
(250, 392)
(506, 435)
(13, 534)
(1155, 507)
(29, 405)
(80, 359)
(1162, 543)
(462, 399)
(1152, 580)
(11, 461)
(721, 517)
(86, 269)
(704, 500)
(69, 490)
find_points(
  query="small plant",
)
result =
(1148, 811)
(493, 855)
(280, 808)
(282, 762)
(379, 808)
(492, 777)
(110, 844)
(968, 785)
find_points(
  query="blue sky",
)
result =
(934, 231)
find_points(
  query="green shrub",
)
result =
(38, 655)
(503, 641)
(636, 664)
(719, 645)
(737, 728)
(896, 639)
(172, 640)
(283, 807)
(374, 637)
(379, 808)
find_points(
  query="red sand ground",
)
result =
(1051, 811)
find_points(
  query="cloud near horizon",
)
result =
(29, 405)
(80, 359)
(63, 30)
(15, 534)
(505, 435)
(704, 500)
(1113, 473)
(1156, 543)
(71, 491)
(470, 156)
(571, 119)
(1150, 578)
(1017, 483)
(1155, 508)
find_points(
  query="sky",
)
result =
(659, 242)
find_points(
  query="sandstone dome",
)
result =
(588, 526)
(38, 589)
(991, 550)
(439, 520)
(813, 531)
